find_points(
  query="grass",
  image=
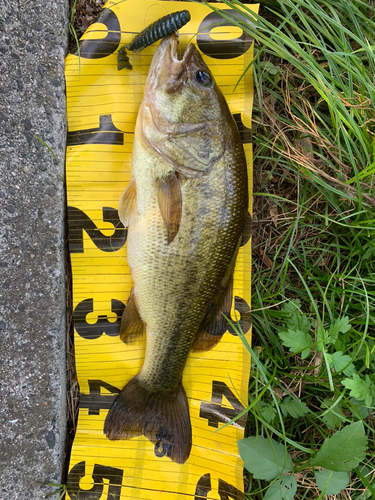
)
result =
(313, 239)
(314, 235)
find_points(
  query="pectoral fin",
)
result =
(170, 204)
(214, 324)
(131, 324)
(127, 203)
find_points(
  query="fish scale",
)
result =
(192, 289)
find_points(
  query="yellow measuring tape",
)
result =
(102, 107)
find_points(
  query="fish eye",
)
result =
(204, 78)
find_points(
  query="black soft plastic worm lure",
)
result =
(162, 27)
(159, 29)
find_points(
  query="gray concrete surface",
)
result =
(33, 43)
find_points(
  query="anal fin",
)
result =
(132, 326)
(127, 203)
(170, 204)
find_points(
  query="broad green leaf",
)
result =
(297, 320)
(341, 361)
(293, 407)
(337, 481)
(360, 388)
(333, 418)
(344, 450)
(283, 488)
(264, 458)
(297, 341)
(341, 325)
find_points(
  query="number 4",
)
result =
(226, 491)
(214, 412)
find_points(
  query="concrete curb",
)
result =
(33, 44)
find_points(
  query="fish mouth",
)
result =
(166, 67)
(172, 42)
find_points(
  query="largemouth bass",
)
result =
(185, 209)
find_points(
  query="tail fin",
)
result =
(163, 417)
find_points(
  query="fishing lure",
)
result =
(159, 29)
(123, 59)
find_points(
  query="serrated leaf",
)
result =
(360, 388)
(267, 411)
(293, 407)
(363, 410)
(322, 338)
(340, 344)
(333, 418)
(292, 307)
(343, 362)
(297, 341)
(269, 67)
(344, 450)
(264, 458)
(341, 325)
(296, 320)
(337, 481)
(283, 488)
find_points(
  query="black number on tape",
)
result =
(101, 475)
(241, 306)
(106, 133)
(215, 412)
(103, 325)
(78, 222)
(223, 49)
(95, 401)
(226, 491)
(102, 47)
(245, 132)
(203, 487)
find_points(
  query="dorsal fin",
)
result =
(127, 203)
(170, 204)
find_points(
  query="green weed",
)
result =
(61, 490)
(312, 391)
